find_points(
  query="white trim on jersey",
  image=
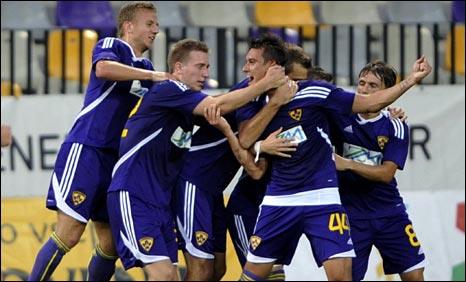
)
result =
(135, 149)
(188, 214)
(61, 204)
(189, 246)
(66, 185)
(180, 85)
(108, 42)
(208, 145)
(94, 104)
(422, 264)
(399, 128)
(363, 121)
(318, 197)
(312, 92)
(348, 254)
(257, 259)
(242, 235)
(62, 189)
(131, 243)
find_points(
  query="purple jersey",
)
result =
(210, 163)
(108, 103)
(304, 118)
(154, 142)
(372, 142)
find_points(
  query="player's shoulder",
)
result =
(315, 85)
(172, 86)
(398, 129)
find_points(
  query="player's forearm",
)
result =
(244, 157)
(251, 130)
(116, 71)
(378, 173)
(380, 99)
(237, 98)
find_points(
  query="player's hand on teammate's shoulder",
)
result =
(285, 93)
(396, 112)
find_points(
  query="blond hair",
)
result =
(128, 12)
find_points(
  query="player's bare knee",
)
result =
(200, 269)
(415, 275)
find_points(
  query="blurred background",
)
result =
(46, 58)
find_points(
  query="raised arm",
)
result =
(230, 101)
(251, 130)
(111, 70)
(380, 99)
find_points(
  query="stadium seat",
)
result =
(459, 50)
(218, 13)
(457, 10)
(6, 89)
(97, 15)
(350, 12)
(292, 14)
(416, 12)
(72, 53)
(24, 15)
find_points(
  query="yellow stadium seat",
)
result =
(72, 53)
(6, 89)
(290, 14)
(459, 50)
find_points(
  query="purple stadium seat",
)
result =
(97, 15)
(458, 11)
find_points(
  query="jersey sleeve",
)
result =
(174, 95)
(106, 49)
(396, 149)
(325, 95)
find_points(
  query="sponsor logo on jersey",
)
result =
(296, 114)
(78, 197)
(201, 237)
(146, 243)
(382, 140)
(137, 89)
(362, 155)
(255, 241)
(181, 138)
(296, 133)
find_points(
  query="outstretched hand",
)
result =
(421, 69)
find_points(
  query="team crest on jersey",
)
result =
(296, 114)
(201, 237)
(255, 241)
(78, 197)
(382, 140)
(146, 243)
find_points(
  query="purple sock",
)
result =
(48, 259)
(101, 267)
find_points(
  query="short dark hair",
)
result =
(318, 73)
(128, 12)
(296, 54)
(273, 46)
(382, 70)
(180, 51)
